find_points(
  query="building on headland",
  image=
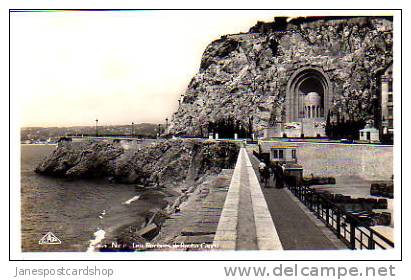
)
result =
(369, 134)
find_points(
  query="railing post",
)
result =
(352, 235)
(327, 214)
(318, 206)
(338, 223)
(310, 200)
(371, 242)
(304, 193)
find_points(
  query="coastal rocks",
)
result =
(382, 189)
(156, 164)
(81, 160)
(316, 180)
(197, 221)
(244, 75)
(149, 232)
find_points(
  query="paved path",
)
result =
(245, 222)
(197, 221)
(296, 229)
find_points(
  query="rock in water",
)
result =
(168, 162)
(82, 160)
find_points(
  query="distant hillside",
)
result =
(43, 133)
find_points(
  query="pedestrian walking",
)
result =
(279, 176)
(264, 174)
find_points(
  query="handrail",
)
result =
(341, 218)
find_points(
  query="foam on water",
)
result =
(134, 198)
(102, 214)
(99, 234)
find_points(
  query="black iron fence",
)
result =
(348, 227)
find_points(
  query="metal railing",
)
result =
(349, 228)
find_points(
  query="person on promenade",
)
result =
(264, 173)
(279, 176)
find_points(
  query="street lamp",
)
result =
(302, 114)
(96, 127)
(132, 129)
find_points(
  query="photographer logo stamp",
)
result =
(49, 238)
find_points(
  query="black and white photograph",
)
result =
(158, 131)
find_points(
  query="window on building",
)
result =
(275, 153)
(390, 97)
(293, 154)
(281, 154)
(390, 86)
(390, 111)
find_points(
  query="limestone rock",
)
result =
(161, 163)
(243, 75)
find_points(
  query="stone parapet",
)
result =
(245, 192)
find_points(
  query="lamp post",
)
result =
(96, 127)
(301, 114)
(132, 129)
(250, 127)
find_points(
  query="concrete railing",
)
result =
(262, 228)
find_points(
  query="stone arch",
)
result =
(309, 77)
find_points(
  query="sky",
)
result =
(69, 68)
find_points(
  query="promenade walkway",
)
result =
(297, 229)
(245, 222)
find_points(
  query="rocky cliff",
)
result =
(244, 75)
(163, 163)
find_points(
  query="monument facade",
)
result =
(289, 76)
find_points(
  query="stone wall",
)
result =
(245, 75)
(370, 162)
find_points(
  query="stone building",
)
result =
(387, 105)
(370, 134)
(289, 76)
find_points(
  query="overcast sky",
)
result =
(69, 68)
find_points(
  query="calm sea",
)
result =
(75, 210)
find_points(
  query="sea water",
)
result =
(80, 213)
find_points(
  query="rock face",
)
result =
(244, 75)
(168, 162)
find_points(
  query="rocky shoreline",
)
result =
(175, 167)
(184, 224)
(156, 164)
